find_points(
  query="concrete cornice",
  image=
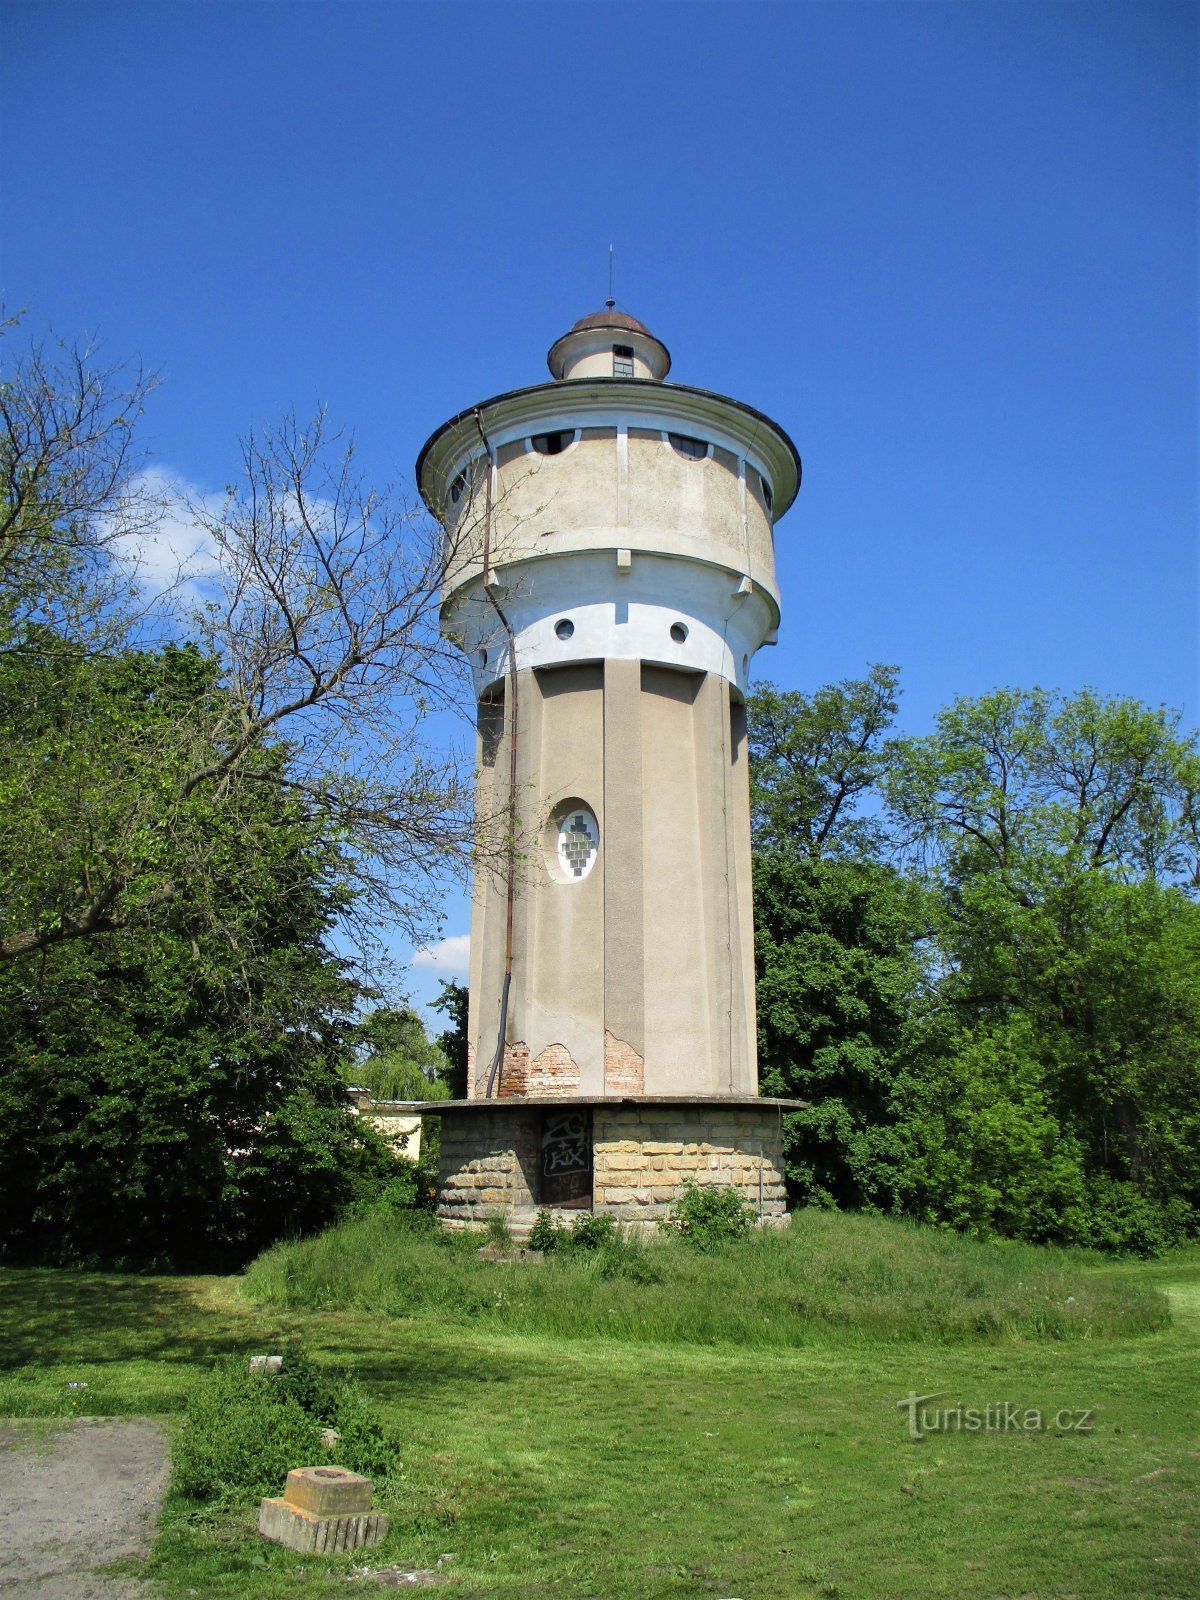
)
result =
(735, 1102)
(585, 402)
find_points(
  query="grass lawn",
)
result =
(627, 1467)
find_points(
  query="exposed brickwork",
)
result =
(553, 1072)
(624, 1069)
(643, 1156)
(473, 1089)
(514, 1073)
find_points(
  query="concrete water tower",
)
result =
(610, 576)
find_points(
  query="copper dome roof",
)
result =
(611, 319)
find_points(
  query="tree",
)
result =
(816, 759)
(453, 1003)
(838, 933)
(396, 1060)
(319, 624)
(164, 1100)
(1061, 833)
(70, 495)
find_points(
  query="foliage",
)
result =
(508, 1433)
(840, 935)
(318, 621)
(545, 1233)
(876, 1279)
(814, 759)
(167, 1095)
(453, 1001)
(843, 969)
(707, 1216)
(243, 1432)
(396, 1060)
(497, 1232)
(1002, 1038)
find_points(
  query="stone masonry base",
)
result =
(642, 1154)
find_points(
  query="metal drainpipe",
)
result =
(497, 1065)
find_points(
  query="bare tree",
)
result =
(69, 492)
(308, 665)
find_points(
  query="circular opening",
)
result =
(678, 632)
(552, 444)
(684, 445)
(457, 487)
(564, 628)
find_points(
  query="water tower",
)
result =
(610, 576)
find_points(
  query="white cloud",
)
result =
(451, 956)
(175, 548)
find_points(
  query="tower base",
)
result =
(629, 1159)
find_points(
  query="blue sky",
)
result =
(952, 248)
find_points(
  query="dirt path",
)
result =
(74, 1499)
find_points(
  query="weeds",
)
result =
(867, 1278)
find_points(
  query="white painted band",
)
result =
(583, 607)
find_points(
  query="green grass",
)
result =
(629, 1469)
(828, 1275)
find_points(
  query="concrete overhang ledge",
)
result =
(714, 1102)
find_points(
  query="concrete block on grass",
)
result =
(303, 1530)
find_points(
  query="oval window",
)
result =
(578, 842)
(564, 628)
(678, 632)
(684, 445)
(457, 487)
(553, 444)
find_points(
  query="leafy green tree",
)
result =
(1061, 834)
(453, 1002)
(840, 936)
(396, 1059)
(172, 1094)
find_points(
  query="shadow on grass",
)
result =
(52, 1315)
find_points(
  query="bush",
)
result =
(545, 1233)
(242, 1432)
(711, 1216)
(589, 1232)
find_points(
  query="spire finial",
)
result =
(610, 302)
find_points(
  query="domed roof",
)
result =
(611, 319)
(654, 352)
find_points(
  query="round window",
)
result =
(684, 445)
(578, 842)
(457, 487)
(553, 444)
(564, 628)
(678, 632)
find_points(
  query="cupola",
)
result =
(609, 344)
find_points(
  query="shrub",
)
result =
(545, 1233)
(710, 1216)
(593, 1233)
(242, 1433)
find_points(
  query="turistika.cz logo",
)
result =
(999, 1416)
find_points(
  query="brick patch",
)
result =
(624, 1069)
(553, 1072)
